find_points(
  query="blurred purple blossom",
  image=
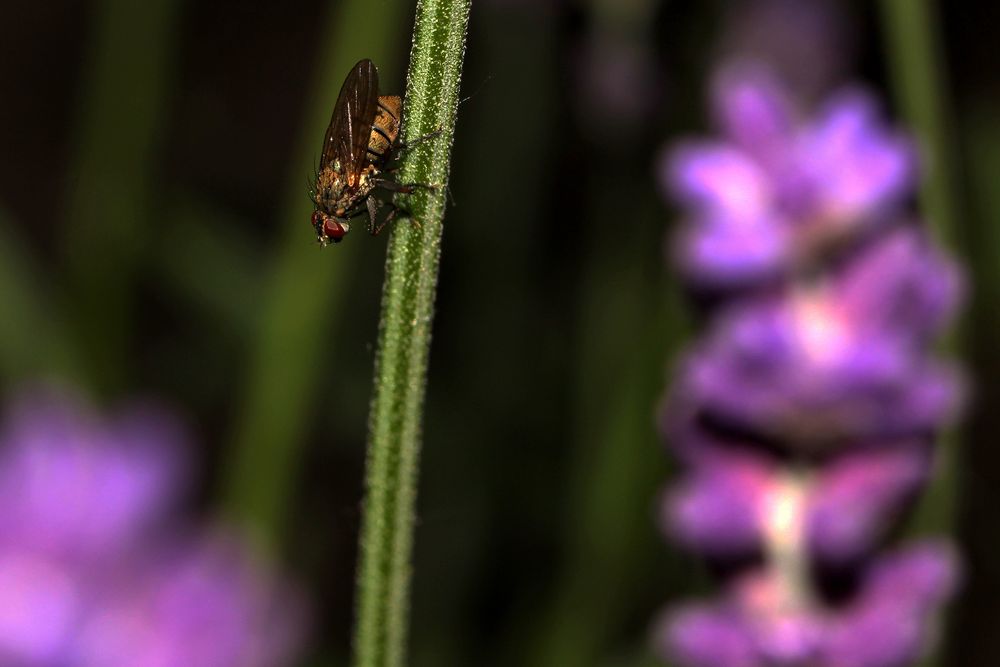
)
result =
(206, 605)
(731, 497)
(775, 190)
(94, 569)
(74, 486)
(765, 621)
(805, 416)
(840, 356)
(617, 86)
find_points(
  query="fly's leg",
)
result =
(406, 145)
(393, 212)
(373, 207)
(375, 229)
(410, 188)
(401, 188)
(404, 188)
(396, 149)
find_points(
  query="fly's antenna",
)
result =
(310, 184)
(483, 83)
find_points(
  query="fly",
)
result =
(361, 140)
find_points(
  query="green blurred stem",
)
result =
(616, 463)
(109, 218)
(917, 68)
(302, 294)
(32, 340)
(404, 338)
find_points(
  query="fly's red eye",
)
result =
(334, 230)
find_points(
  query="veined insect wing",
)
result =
(350, 128)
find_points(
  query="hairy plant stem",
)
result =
(431, 104)
(916, 64)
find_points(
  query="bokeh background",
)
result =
(155, 161)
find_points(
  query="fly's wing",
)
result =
(351, 124)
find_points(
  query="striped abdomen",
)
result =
(385, 128)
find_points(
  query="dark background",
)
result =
(154, 240)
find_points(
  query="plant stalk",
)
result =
(411, 270)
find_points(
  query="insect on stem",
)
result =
(361, 140)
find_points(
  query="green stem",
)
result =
(971, 627)
(616, 464)
(404, 338)
(32, 338)
(302, 294)
(916, 65)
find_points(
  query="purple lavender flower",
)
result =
(766, 620)
(805, 417)
(843, 356)
(94, 570)
(731, 497)
(74, 486)
(205, 605)
(774, 191)
(611, 68)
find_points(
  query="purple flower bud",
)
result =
(774, 192)
(835, 359)
(719, 506)
(859, 495)
(94, 569)
(765, 621)
(707, 636)
(888, 623)
(205, 605)
(731, 497)
(76, 486)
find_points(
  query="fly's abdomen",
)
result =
(385, 128)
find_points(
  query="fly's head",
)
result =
(328, 219)
(329, 229)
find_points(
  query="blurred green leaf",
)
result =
(113, 177)
(31, 341)
(202, 260)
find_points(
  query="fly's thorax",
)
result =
(364, 183)
(329, 188)
(349, 192)
(367, 180)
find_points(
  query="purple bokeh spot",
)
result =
(801, 185)
(842, 359)
(96, 569)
